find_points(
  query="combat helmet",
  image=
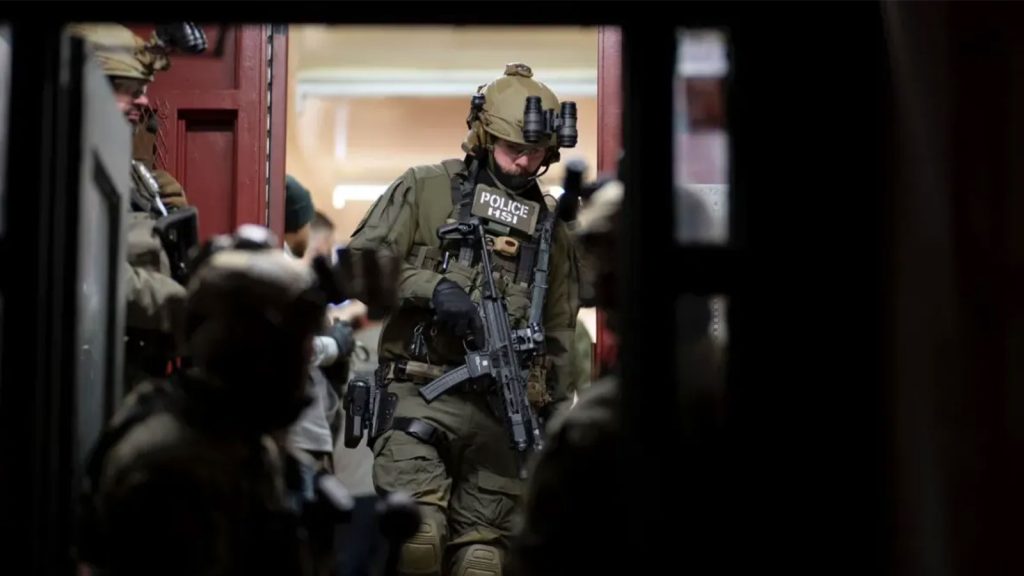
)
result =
(250, 316)
(120, 53)
(499, 110)
(597, 236)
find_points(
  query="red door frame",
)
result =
(278, 126)
(609, 146)
(188, 106)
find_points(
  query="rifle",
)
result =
(178, 229)
(498, 356)
(509, 354)
(531, 338)
(179, 235)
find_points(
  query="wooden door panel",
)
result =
(207, 72)
(278, 106)
(609, 99)
(212, 109)
(207, 149)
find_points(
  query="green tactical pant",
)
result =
(467, 488)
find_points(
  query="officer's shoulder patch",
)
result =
(427, 171)
(452, 166)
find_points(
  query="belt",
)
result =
(422, 431)
(418, 372)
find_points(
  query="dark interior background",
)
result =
(871, 418)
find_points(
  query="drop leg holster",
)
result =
(369, 408)
(370, 411)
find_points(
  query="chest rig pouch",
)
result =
(512, 228)
(510, 224)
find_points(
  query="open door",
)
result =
(100, 195)
(64, 308)
(219, 131)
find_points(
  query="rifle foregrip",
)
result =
(441, 385)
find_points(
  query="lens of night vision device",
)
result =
(475, 106)
(477, 102)
(567, 133)
(533, 120)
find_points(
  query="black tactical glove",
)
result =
(341, 332)
(455, 311)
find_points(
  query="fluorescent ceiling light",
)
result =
(344, 193)
(702, 53)
(327, 82)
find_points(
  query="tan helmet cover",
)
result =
(599, 213)
(504, 104)
(597, 239)
(120, 52)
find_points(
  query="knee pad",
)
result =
(422, 553)
(477, 560)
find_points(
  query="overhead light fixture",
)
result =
(702, 53)
(425, 83)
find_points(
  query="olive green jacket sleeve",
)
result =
(155, 301)
(560, 310)
(171, 192)
(584, 358)
(393, 224)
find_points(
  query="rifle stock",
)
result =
(476, 365)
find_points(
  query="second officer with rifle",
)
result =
(161, 230)
(478, 355)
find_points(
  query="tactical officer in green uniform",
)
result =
(584, 359)
(154, 269)
(187, 478)
(584, 351)
(567, 511)
(454, 454)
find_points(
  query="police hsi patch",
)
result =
(498, 206)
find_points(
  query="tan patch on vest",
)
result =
(536, 386)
